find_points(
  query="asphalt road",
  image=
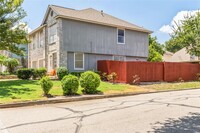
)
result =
(168, 112)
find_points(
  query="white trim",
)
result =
(124, 35)
(83, 61)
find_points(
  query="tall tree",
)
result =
(155, 50)
(12, 31)
(186, 34)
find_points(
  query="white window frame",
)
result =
(124, 35)
(83, 61)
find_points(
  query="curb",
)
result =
(79, 98)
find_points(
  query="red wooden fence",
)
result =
(149, 71)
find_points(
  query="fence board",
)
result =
(150, 71)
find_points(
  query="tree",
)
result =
(155, 50)
(12, 31)
(186, 34)
(10, 63)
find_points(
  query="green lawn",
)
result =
(24, 90)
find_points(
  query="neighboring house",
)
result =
(77, 39)
(179, 56)
(167, 56)
(21, 59)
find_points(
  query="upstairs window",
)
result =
(120, 36)
(41, 39)
(52, 34)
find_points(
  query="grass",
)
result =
(27, 90)
(173, 86)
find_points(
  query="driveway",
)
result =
(168, 112)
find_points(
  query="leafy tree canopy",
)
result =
(186, 34)
(155, 50)
(12, 31)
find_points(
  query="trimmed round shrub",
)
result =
(70, 84)
(90, 81)
(46, 85)
(61, 72)
(39, 73)
(24, 73)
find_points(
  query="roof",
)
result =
(168, 53)
(94, 16)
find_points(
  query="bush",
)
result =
(39, 73)
(90, 81)
(112, 77)
(70, 84)
(78, 74)
(61, 72)
(136, 80)
(46, 85)
(24, 73)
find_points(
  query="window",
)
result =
(41, 39)
(120, 36)
(34, 64)
(78, 61)
(34, 42)
(54, 61)
(41, 63)
(51, 13)
(52, 34)
(119, 58)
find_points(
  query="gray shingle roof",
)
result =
(94, 16)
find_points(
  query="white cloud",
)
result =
(23, 26)
(176, 20)
(166, 29)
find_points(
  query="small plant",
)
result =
(39, 73)
(90, 81)
(46, 85)
(11, 64)
(180, 79)
(136, 80)
(70, 84)
(104, 76)
(24, 73)
(61, 72)
(112, 77)
(198, 76)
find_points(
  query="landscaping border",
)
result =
(78, 98)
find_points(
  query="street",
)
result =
(167, 112)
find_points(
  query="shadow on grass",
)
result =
(186, 124)
(9, 88)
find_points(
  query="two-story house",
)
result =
(77, 39)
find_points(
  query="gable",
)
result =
(49, 16)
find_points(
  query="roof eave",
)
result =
(94, 22)
(37, 29)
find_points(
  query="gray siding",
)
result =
(90, 61)
(93, 38)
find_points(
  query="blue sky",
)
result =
(151, 14)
